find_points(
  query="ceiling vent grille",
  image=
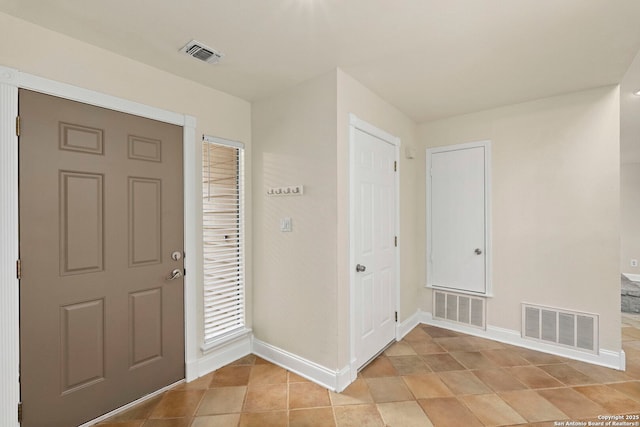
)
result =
(203, 53)
(560, 327)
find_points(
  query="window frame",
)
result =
(211, 341)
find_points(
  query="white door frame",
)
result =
(357, 124)
(10, 81)
(487, 212)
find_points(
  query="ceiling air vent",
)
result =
(203, 53)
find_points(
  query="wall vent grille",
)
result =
(561, 327)
(459, 308)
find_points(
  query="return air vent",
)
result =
(459, 308)
(203, 53)
(561, 327)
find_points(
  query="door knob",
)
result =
(478, 251)
(175, 274)
(360, 268)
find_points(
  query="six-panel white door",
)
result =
(373, 193)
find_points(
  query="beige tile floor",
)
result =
(432, 377)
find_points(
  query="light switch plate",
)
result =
(285, 224)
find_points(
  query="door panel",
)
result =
(145, 219)
(457, 217)
(101, 211)
(82, 341)
(145, 324)
(373, 192)
(81, 222)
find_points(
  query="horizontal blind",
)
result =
(222, 232)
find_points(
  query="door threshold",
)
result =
(392, 342)
(131, 404)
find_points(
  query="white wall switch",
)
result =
(634, 263)
(285, 224)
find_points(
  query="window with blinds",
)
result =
(222, 229)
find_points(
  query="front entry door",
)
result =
(101, 230)
(373, 193)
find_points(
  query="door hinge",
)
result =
(17, 125)
(396, 316)
(184, 272)
(19, 269)
(19, 412)
(395, 241)
(395, 166)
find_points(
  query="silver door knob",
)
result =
(175, 274)
(360, 268)
(478, 251)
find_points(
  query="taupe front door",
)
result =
(101, 221)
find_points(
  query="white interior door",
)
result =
(457, 185)
(373, 193)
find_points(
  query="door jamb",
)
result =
(356, 123)
(10, 81)
(487, 214)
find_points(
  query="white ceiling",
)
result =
(430, 58)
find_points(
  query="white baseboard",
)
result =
(403, 328)
(607, 358)
(219, 357)
(338, 380)
(333, 380)
(632, 277)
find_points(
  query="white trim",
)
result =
(87, 96)
(360, 124)
(130, 405)
(328, 378)
(356, 123)
(222, 355)
(9, 284)
(632, 277)
(608, 358)
(10, 81)
(397, 226)
(222, 141)
(191, 244)
(225, 340)
(403, 328)
(352, 260)
(487, 211)
(459, 291)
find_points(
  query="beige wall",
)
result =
(294, 136)
(355, 98)
(629, 216)
(555, 203)
(44, 53)
(630, 168)
(301, 290)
